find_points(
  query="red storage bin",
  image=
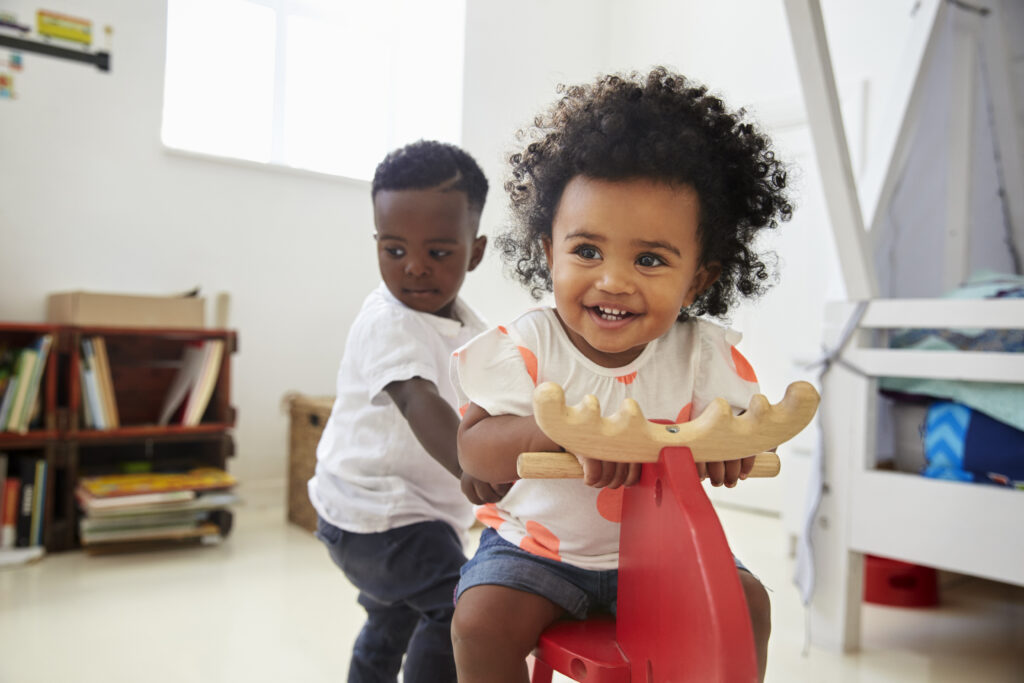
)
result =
(899, 584)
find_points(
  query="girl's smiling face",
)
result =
(624, 259)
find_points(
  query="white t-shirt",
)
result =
(372, 474)
(675, 377)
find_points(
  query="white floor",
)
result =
(268, 605)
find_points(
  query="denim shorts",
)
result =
(580, 592)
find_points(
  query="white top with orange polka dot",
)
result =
(675, 376)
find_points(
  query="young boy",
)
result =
(387, 481)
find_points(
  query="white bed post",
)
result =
(835, 605)
(822, 101)
(963, 95)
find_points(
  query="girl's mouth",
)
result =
(610, 314)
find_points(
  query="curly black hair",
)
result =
(661, 127)
(428, 163)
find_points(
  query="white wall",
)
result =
(90, 200)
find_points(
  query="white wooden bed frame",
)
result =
(966, 528)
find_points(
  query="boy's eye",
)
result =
(649, 260)
(396, 252)
(439, 253)
(585, 251)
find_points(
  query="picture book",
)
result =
(91, 503)
(115, 485)
(87, 525)
(202, 502)
(178, 531)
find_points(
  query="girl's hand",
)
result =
(480, 492)
(728, 472)
(607, 474)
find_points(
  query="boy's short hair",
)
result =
(427, 163)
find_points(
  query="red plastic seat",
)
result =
(682, 614)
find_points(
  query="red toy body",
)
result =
(682, 614)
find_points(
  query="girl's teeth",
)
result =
(610, 313)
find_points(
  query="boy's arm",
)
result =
(432, 420)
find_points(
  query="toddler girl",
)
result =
(636, 201)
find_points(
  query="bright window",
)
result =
(325, 85)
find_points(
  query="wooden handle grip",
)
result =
(566, 466)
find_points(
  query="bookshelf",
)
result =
(143, 363)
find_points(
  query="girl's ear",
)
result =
(545, 242)
(705, 276)
(477, 252)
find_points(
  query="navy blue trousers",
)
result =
(406, 579)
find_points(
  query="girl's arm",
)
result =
(489, 444)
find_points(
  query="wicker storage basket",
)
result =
(308, 416)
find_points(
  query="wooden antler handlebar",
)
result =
(566, 466)
(627, 436)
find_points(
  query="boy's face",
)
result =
(426, 245)
(624, 259)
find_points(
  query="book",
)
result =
(10, 369)
(35, 379)
(27, 480)
(90, 503)
(190, 371)
(199, 398)
(91, 383)
(26, 362)
(9, 518)
(114, 485)
(92, 524)
(105, 381)
(201, 502)
(186, 530)
(8, 398)
(37, 526)
(88, 421)
(3, 478)
(10, 557)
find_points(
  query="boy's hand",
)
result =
(607, 474)
(728, 472)
(480, 492)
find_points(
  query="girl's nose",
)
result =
(616, 279)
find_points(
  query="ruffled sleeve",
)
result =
(497, 372)
(722, 371)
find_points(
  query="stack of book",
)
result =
(124, 512)
(21, 374)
